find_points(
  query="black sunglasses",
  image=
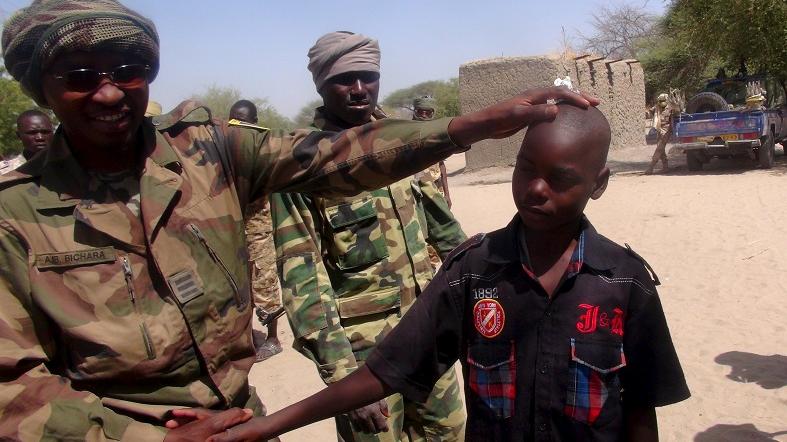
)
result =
(87, 80)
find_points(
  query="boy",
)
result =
(560, 332)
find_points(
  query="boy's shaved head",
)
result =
(573, 125)
(561, 165)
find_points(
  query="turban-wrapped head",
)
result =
(34, 36)
(340, 52)
(425, 103)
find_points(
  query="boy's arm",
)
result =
(640, 424)
(410, 359)
(359, 388)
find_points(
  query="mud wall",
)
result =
(619, 84)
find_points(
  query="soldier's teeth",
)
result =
(110, 118)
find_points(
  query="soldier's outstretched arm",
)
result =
(306, 287)
(378, 153)
(443, 230)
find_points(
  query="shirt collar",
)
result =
(593, 250)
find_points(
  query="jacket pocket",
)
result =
(357, 237)
(593, 379)
(300, 284)
(492, 376)
(370, 303)
(240, 301)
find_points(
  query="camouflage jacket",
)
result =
(109, 320)
(343, 259)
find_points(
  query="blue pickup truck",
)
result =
(718, 124)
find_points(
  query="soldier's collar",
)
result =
(63, 180)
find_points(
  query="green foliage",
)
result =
(306, 114)
(12, 103)
(220, 99)
(445, 92)
(697, 37)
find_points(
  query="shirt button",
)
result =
(542, 427)
(544, 369)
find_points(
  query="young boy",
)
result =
(560, 331)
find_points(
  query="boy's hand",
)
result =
(183, 416)
(253, 430)
(371, 418)
(206, 425)
(506, 118)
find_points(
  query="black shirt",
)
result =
(537, 368)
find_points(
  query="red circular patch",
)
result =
(489, 317)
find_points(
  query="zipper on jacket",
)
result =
(216, 259)
(129, 275)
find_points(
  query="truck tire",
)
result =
(766, 151)
(706, 102)
(693, 161)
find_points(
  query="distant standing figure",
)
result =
(424, 110)
(34, 129)
(662, 122)
(262, 255)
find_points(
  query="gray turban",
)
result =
(34, 36)
(340, 52)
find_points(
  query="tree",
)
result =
(617, 30)
(698, 37)
(219, 100)
(12, 103)
(306, 114)
(445, 92)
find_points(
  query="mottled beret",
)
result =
(340, 52)
(34, 36)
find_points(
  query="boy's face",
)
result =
(554, 177)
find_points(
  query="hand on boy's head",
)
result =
(560, 166)
(508, 117)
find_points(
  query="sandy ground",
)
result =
(718, 241)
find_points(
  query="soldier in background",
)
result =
(262, 255)
(350, 267)
(424, 109)
(662, 122)
(34, 130)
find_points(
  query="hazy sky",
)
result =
(259, 47)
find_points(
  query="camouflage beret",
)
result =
(425, 103)
(34, 36)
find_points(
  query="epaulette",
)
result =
(186, 112)
(636, 256)
(238, 123)
(472, 242)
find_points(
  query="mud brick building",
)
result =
(619, 84)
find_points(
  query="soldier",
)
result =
(262, 254)
(367, 257)
(124, 289)
(662, 122)
(424, 110)
(34, 130)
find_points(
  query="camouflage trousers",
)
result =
(441, 418)
(262, 258)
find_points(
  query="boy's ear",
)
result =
(601, 184)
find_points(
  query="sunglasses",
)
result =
(88, 80)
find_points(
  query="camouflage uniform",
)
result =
(350, 267)
(107, 319)
(262, 258)
(662, 121)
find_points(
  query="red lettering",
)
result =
(588, 321)
(617, 322)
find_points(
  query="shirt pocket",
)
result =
(301, 288)
(357, 236)
(593, 380)
(492, 376)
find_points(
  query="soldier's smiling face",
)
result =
(106, 116)
(352, 96)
